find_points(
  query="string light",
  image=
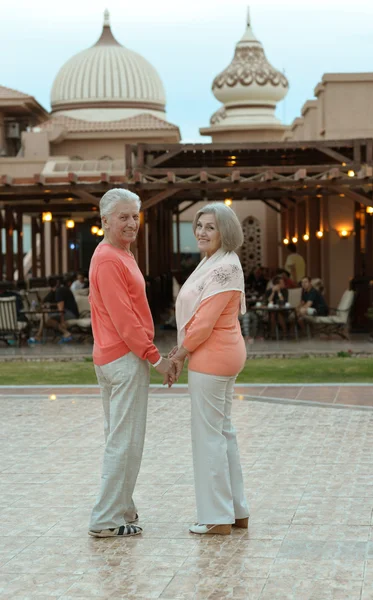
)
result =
(100, 232)
(294, 239)
(46, 217)
(94, 229)
(70, 224)
(351, 173)
(228, 202)
(306, 237)
(319, 234)
(285, 241)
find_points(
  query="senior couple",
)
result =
(209, 336)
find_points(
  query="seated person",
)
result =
(79, 283)
(277, 295)
(312, 302)
(66, 304)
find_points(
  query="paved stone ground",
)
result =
(308, 475)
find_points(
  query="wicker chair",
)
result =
(339, 322)
(9, 326)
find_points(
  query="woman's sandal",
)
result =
(242, 523)
(210, 529)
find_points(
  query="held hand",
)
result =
(173, 351)
(167, 369)
(178, 365)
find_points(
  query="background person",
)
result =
(278, 295)
(209, 333)
(63, 297)
(295, 264)
(123, 332)
(79, 283)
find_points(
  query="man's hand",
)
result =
(167, 369)
(173, 351)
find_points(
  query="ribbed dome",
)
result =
(108, 75)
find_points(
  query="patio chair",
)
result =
(338, 322)
(9, 326)
(83, 323)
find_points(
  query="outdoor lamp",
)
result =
(228, 202)
(46, 217)
(70, 224)
(294, 239)
(319, 234)
(344, 234)
(100, 232)
(306, 237)
(370, 210)
(94, 229)
(351, 173)
(285, 241)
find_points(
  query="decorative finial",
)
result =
(106, 18)
(248, 17)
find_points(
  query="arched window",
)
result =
(251, 251)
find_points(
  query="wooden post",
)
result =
(368, 245)
(42, 248)
(358, 258)
(9, 257)
(178, 258)
(141, 245)
(34, 258)
(301, 229)
(325, 245)
(20, 245)
(1, 246)
(53, 247)
(314, 251)
(59, 248)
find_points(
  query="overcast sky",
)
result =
(189, 43)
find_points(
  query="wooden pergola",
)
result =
(294, 179)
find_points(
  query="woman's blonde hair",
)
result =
(227, 223)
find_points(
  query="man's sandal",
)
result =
(122, 531)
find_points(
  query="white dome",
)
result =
(107, 76)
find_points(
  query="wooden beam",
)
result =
(188, 206)
(165, 157)
(267, 202)
(34, 258)
(369, 152)
(333, 154)
(352, 195)
(84, 195)
(300, 174)
(159, 198)
(9, 255)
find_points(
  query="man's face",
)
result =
(122, 224)
(306, 284)
(281, 284)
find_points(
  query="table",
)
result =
(285, 310)
(41, 313)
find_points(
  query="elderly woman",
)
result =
(123, 334)
(209, 334)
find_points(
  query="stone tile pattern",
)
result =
(308, 475)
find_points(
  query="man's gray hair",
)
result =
(227, 223)
(111, 198)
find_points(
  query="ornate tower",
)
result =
(249, 89)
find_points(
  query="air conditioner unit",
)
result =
(13, 131)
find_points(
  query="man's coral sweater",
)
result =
(121, 318)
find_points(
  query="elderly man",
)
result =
(123, 333)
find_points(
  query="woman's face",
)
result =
(207, 234)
